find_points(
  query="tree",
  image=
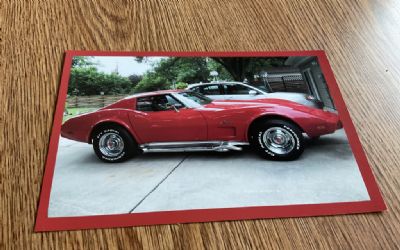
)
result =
(181, 85)
(135, 79)
(82, 61)
(89, 81)
(240, 67)
(223, 74)
(178, 69)
(197, 69)
(151, 82)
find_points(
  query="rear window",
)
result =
(144, 103)
(157, 103)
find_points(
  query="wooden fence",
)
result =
(95, 101)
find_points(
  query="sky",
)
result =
(126, 64)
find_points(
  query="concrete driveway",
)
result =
(83, 185)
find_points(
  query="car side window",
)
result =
(211, 90)
(157, 103)
(236, 89)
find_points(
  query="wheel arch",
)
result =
(266, 117)
(106, 123)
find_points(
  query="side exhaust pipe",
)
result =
(196, 146)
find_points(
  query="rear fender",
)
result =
(109, 117)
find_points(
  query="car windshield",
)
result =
(196, 97)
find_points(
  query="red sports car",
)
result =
(166, 121)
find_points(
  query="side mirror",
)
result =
(253, 92)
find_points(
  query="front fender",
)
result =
(270, 115)
(313, 122)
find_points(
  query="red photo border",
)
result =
(44, 223)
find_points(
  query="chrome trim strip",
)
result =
(192, 146)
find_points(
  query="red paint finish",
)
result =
(166, 126)
(219, 120)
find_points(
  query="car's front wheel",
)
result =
(277, 140)
(113, 144)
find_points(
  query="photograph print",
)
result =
(183, 137)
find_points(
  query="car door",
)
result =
(162, 118)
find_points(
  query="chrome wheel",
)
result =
(111, 144)
(279, 140)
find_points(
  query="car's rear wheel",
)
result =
(277, 140)
(113, 144)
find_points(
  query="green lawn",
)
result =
(76, 111)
